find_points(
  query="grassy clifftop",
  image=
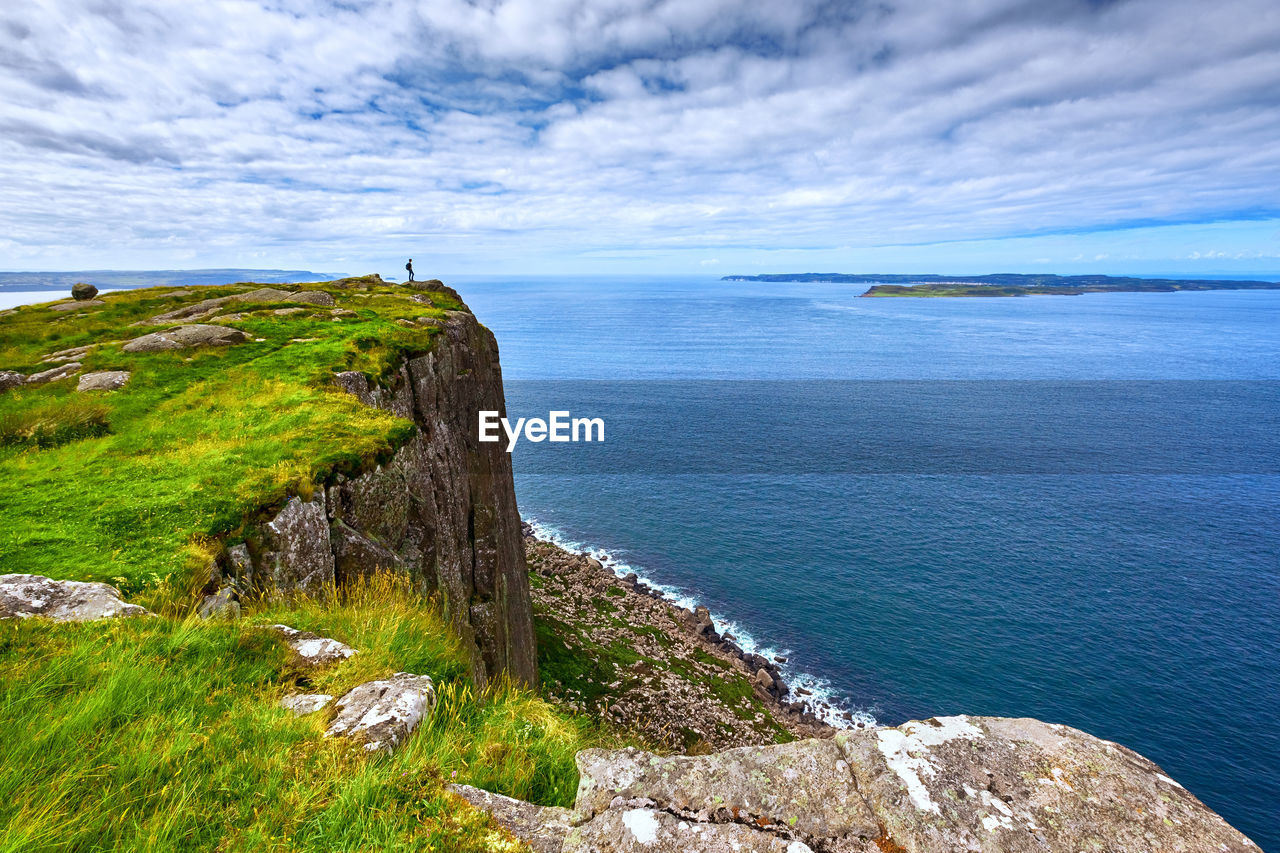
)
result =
(123, 487)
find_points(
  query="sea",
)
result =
(1061, 507)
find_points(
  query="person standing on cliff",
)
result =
(409, 267)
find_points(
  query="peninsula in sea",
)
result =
(1007, 284)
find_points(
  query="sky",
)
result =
(642, 136)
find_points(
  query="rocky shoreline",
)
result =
(675, 679)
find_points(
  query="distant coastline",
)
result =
(1008, 284)
(127, 279)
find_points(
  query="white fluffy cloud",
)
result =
(149, 132)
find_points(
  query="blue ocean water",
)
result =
(1059, 507)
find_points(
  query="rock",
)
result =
(103, 380)
(72, 306)
(296, 550)
(10, 379)
(595, 564)
(305, 703)
(207, 307)
(992, 785)
(342, 313)
(542, 828)
(185, 337)
(764, 680)
(23, 596)
(381, 714)
(223, 604)
(241, 565)
(647, 830)
(311, 650)
(285, 312)
(54, 374)
(999, 784)
(72, 354)
(82, 291)
(803, 788)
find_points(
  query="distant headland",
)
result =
(123, 279)
(1007, 284)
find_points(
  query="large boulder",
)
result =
(82, 291)
(381, 714)
(24, 596)
(983, 784)
(185, 337)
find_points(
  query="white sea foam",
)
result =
(823, 701)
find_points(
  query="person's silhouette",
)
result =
(409, 267)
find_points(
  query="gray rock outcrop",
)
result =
(381, 714)
(73, 306)
(185, 337)
(305, 703)
(54, 374)
(103, 380)
(296, 553)
(10, 379)
(994, 785)
(208, 307)
(223, 604)
(24, 596)
(311, 650)
(542, 828)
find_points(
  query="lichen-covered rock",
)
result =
(647, 830)
(381, 714)
(305, 703)
(208, 307)
(311, 650)
(54, 374)
(1011, 785)
(10, 379)
(982, 784)
(82, 291)
(296, 552)
(73, 306)
(804, 790)
(542, 828)
(103, 380)
(24, 596)
(185, 337)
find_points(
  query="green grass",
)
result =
(125, 486)
(163, 734)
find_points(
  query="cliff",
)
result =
(442, 510)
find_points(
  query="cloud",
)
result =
(579, 128)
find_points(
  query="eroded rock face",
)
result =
(185, 337)
(296, 554)
(24, 596)
(381, 714)
(986, 784)
(103, 380)
(542, 828)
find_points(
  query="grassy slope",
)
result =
(163, 733)
(199, 439)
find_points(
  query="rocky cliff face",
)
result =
(442, 511)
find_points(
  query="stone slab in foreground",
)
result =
(24, 596)
(993, 785)
(542, 828)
